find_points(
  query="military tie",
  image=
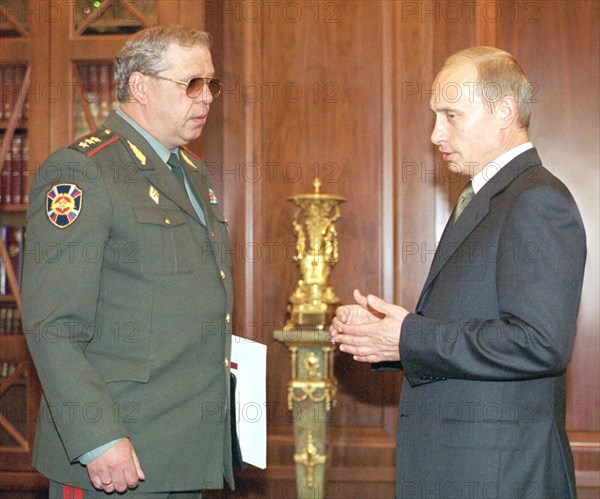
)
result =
(463, 200)
(177, 169)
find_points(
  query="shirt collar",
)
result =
(495, 166)
(155, 144)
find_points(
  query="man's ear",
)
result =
(507, 111)
(138, 87)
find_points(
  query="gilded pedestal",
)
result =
(311, 397)
(312, 387)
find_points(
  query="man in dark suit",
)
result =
(127, 289)
(482, 409)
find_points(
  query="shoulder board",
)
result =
(93, 142)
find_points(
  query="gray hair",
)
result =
(145, 52)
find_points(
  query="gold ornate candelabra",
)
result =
(312, 388)
(313, 302)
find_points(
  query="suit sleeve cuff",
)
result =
(88, 457)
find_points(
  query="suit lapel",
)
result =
(455, 234)
(150, 163)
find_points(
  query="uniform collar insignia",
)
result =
(138, 154)
(188, 160)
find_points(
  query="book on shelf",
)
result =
(10, 325)
(16, 147)
(25, 171)
(11, 80)
(6, 173)
(10, 320)
(98, 90)
(8, 90)
(13, 181)
(13, 240)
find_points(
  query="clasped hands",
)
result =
(368, 330)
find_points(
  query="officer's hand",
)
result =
(117, 469)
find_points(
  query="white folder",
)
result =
(249, 364)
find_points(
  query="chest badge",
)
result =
(213, 197)
(154, 195)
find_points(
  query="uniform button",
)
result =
(226, 362)
(222, 274)
(168, 221)
(228, 318)
(212, 234)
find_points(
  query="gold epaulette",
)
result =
(93, 142)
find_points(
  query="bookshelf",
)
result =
(56, 83)
(23, 64)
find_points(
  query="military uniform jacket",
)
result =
(127, 300)
(482, 409)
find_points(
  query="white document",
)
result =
(249, 364)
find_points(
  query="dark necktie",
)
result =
(177, 169)
(463, 200)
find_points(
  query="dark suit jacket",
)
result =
(482, 411)
(127, 313)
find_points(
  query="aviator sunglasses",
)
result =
(194, 87)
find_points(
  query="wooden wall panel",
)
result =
(303, 98)
(302, 103)
(557, 44)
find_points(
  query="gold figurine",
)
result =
(313, 302)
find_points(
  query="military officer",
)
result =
(127, 290)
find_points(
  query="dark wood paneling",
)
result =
(340, 97)
(289, 111)
(557, 44)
